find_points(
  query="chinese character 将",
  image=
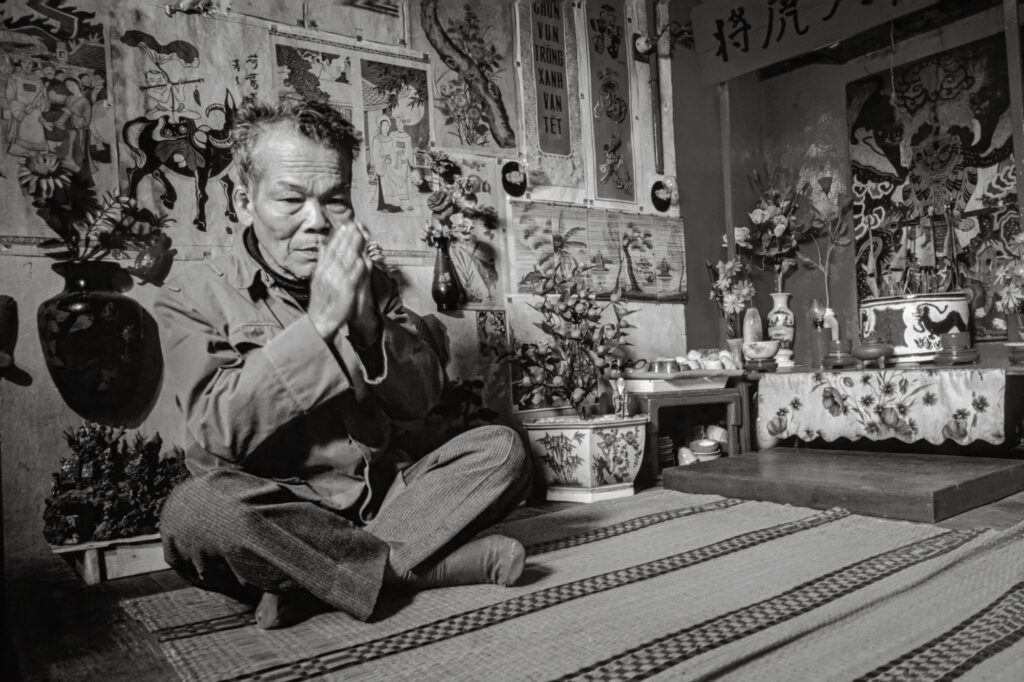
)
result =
(738, 35)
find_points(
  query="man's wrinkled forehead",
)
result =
(263, 157)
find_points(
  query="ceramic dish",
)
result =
(705, 446)
(760, 350)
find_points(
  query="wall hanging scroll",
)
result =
(642, 255)
(933, 174)
(608, 52)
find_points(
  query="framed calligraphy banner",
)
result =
(737, 37)
(549, 71)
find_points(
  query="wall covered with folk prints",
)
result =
(139, 99)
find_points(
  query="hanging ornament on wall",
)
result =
(663, 194)
(513, 179)
(8, 340)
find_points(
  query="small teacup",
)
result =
(716, 433)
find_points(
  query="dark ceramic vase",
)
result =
(92, 338)
(445, 287)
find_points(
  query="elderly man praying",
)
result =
(292, 360)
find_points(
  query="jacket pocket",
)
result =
(250, 335)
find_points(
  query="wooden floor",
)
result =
(61, 629)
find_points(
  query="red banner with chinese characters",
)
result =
(739, 36)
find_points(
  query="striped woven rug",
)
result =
(661, 585)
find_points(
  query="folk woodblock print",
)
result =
(642, 256)
(177, 100)
(55, 105)
(395, 111)
(472, 45)
(480, 260)
(550, 74)
(492, 337)
(380, 21)
(306, 70)
(609, 50)
(933, 178)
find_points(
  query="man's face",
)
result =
(300, 194)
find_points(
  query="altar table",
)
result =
(956, 403)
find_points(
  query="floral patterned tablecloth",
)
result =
(938, 404)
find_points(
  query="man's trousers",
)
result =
(235, 533)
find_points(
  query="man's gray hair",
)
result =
(316, 121)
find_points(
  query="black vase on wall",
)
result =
(445, 288)
(93, 341)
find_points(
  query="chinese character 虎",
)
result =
(787, 11)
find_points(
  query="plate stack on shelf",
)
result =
(666, 452)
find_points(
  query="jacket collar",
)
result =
(244, 273)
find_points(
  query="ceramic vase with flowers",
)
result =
(92, 335)
(586, 457)
(732, 291)
(783, 217)
(455, 216)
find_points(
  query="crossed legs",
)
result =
(241, 535)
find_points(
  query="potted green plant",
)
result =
(91, 334)
(586, 456)
(104, 506)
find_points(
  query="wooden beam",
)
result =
(725, 121)
(1011, 29)
(742, 36)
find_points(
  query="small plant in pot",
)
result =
(586, 457)
(91, 334)
(109, 486)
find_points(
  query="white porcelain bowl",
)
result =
(760, 350)
(705, 446)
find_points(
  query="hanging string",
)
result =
(893, 98)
